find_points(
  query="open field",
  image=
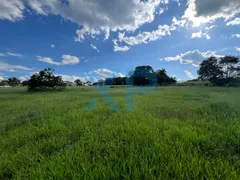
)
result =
(173, 133)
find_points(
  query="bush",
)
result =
(45, 80)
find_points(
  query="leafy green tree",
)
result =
(220, 71)
(88, 83)
(143, 75)
(230, 68)
(45, 80)
(163, 78)
(25, 83)
(13, 81)
(211, 70)
(4, 83)
(78, 82)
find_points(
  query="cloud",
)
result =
(210, 27)
(11, 10)
(12, 68)
(14, 54)
(73, 78)
(47, 60)
(94, 47)
(119, 48)
(234, 22)
(189, 74)
(104, 73)
(107, 15)
(24, 78)
(161, 11)
(238, 49)
(11, 54)
(236, 35)
(192, 57)
(197, 34)
(207, 36)
(67, 60)
(200, 34)
(92, 76)
(145, 37)
(52, 46)
(207, 11)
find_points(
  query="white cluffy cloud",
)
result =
(67, 60)
(119, 48)
(205, 34)
(11, 10)
(145, 37)
(200, 35)
(234, 22)
(73, 78)
(207, 11)
(236, 35)
(94, 47)
(238, 49)
(107, 16)
(192, 57)
(189, 74)
(12, 68)
(104, 73)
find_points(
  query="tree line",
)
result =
(223, 71)
(143, 76)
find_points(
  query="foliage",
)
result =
(173, 133)
(4, 83)
(144, 75)
(220, 72)
(45, 80)
(88, 83)
(78, 82)
(229, 69)
(25, 83)
(13, 81)
(163, 78)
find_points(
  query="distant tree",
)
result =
(119, 81)
(68, 83)
(25, 83)
(130, 73)
(230, 68)
(78, 82)
(163, 78)
(211, 70)
(13, 81)
(45, 80)
(88, 83)
(95, 84)
(4, 83)
(109, 81)
(144, 75)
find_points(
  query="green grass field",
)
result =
(173, 133)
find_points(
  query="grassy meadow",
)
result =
(172, 133)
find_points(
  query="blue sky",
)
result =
(96, 39)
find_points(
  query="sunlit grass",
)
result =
(173, 133)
